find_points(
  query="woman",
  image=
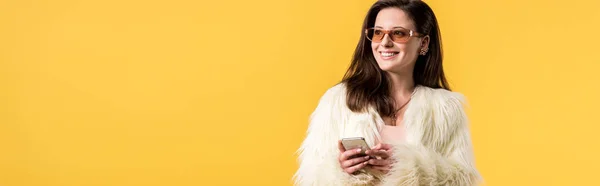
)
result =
(394, 95)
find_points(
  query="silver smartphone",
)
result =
(355, 143)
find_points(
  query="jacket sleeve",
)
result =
(318, 154)
(451, 166)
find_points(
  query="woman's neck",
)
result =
(402, 86)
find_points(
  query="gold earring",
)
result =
(423, 52)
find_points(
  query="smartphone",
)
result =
(354, 143)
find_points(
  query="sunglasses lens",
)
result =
(375, 35)
(400, 35)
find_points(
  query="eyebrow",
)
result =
(392, 27)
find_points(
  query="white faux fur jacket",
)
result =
(437, 150)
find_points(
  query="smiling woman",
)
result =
(396, 97)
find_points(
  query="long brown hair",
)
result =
(368, 85)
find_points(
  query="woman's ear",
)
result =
(425, 42)
(424, 45)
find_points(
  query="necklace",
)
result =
(395, 114)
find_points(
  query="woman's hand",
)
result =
(383, 161)
(349, 162)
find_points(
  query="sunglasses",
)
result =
(398, 35)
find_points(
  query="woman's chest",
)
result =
(392, 134)
(374, 129)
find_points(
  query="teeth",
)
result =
(386, 54)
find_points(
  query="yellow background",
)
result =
(187, 92)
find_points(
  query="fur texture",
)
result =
(437, 150)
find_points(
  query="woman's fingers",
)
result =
(356, 167)
(351, 165)
(349, 153)
(354, 161)
(386, 147)
(341, 146)
(382, 146)
(378, 153)
(378, 146)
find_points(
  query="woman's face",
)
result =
(393, 56)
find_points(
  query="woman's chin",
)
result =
(387, 66)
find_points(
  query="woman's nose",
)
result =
(387, 41)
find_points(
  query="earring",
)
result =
(423, 51)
